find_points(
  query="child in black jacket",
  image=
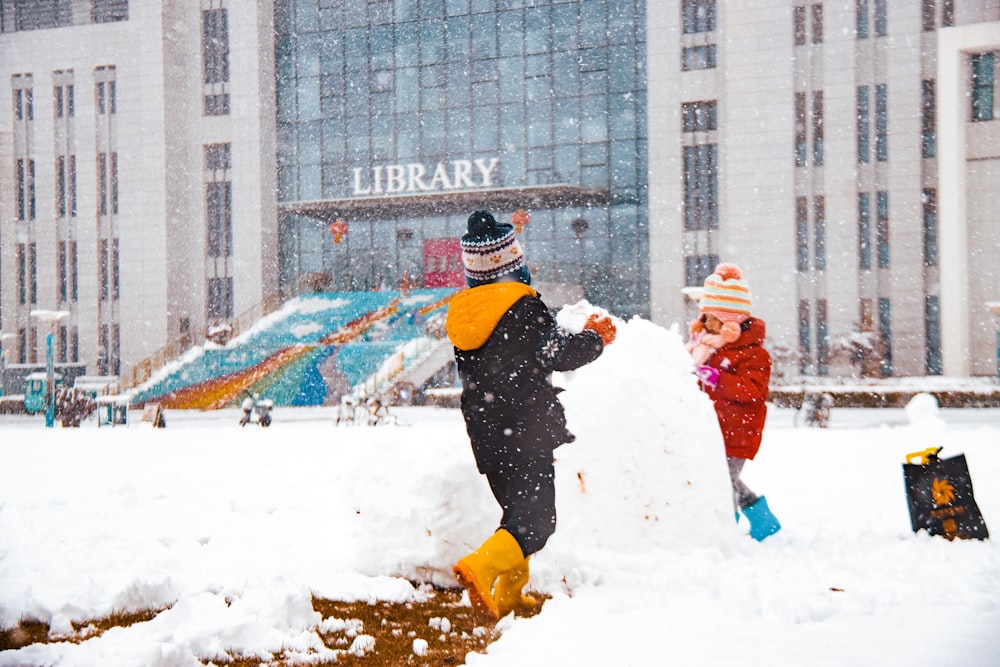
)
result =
(507, 344)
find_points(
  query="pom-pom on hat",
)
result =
(726, 295)
(490, 250)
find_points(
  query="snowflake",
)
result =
(550, 348)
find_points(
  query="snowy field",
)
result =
(232, 530)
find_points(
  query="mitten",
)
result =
(708, 375)
(604, 327)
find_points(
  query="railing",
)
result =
(143, 370)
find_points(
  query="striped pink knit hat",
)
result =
(726, 295)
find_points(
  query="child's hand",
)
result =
(708, 375)
(604, 327)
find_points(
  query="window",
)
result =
(38, 15)
(22, 274)
(928, 21)
(217, 157)
(116, 350)
(61, 343)
(215, 45)
(822, 346)
(800, 129)
(932, 327)
(805, 334)
(33, 345)
(928, 147)
(882, 228)
(802, 233)
(881, 122)
(819, 232)
(24, 101)
(699, 267)
(698, 57)
(929, 199)
(885, 329)
(73, 283)
(102, 271)
(219, 218)
(220, 298)
(947, 13)
(861, 17)
(22, 346)
(698, 16)
(102, 183)
(61, 186)
(982, 86)
(881, 19)
(30, 178)
(108, 11)
(115, 271)
(72, 185)
(216, 105)
(817, 24)
(62, 267)
(32, 273)
(114, 183)
(799, 25)
(109, 270)
(215, 60)
(864, 231)
(817, 127)
(22, 188)
(25, 175)
(701, 209)
(699, 116)
(105, 90)
(104, 348)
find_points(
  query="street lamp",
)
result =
(49, 317)
(3, 357)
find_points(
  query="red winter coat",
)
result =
(739, 397)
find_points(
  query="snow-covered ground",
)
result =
(234, 529)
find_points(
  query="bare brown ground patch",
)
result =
(450, 628)
(36, 632)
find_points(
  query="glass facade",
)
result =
(398, 118)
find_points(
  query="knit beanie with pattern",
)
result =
(490, 251)
(726, 295)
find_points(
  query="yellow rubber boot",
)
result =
(479, 571)
(508, 595)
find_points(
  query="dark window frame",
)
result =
(864, 231)
(698, 16)
(701, 187)
(982, 85)
(706, 57)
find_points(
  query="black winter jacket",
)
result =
(507, 344)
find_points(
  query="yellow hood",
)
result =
(474, 313)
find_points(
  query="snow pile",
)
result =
(666, 486)
(923, 412)
(666, 483)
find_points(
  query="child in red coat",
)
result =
(734, 369)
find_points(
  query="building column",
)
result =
(952, 117)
